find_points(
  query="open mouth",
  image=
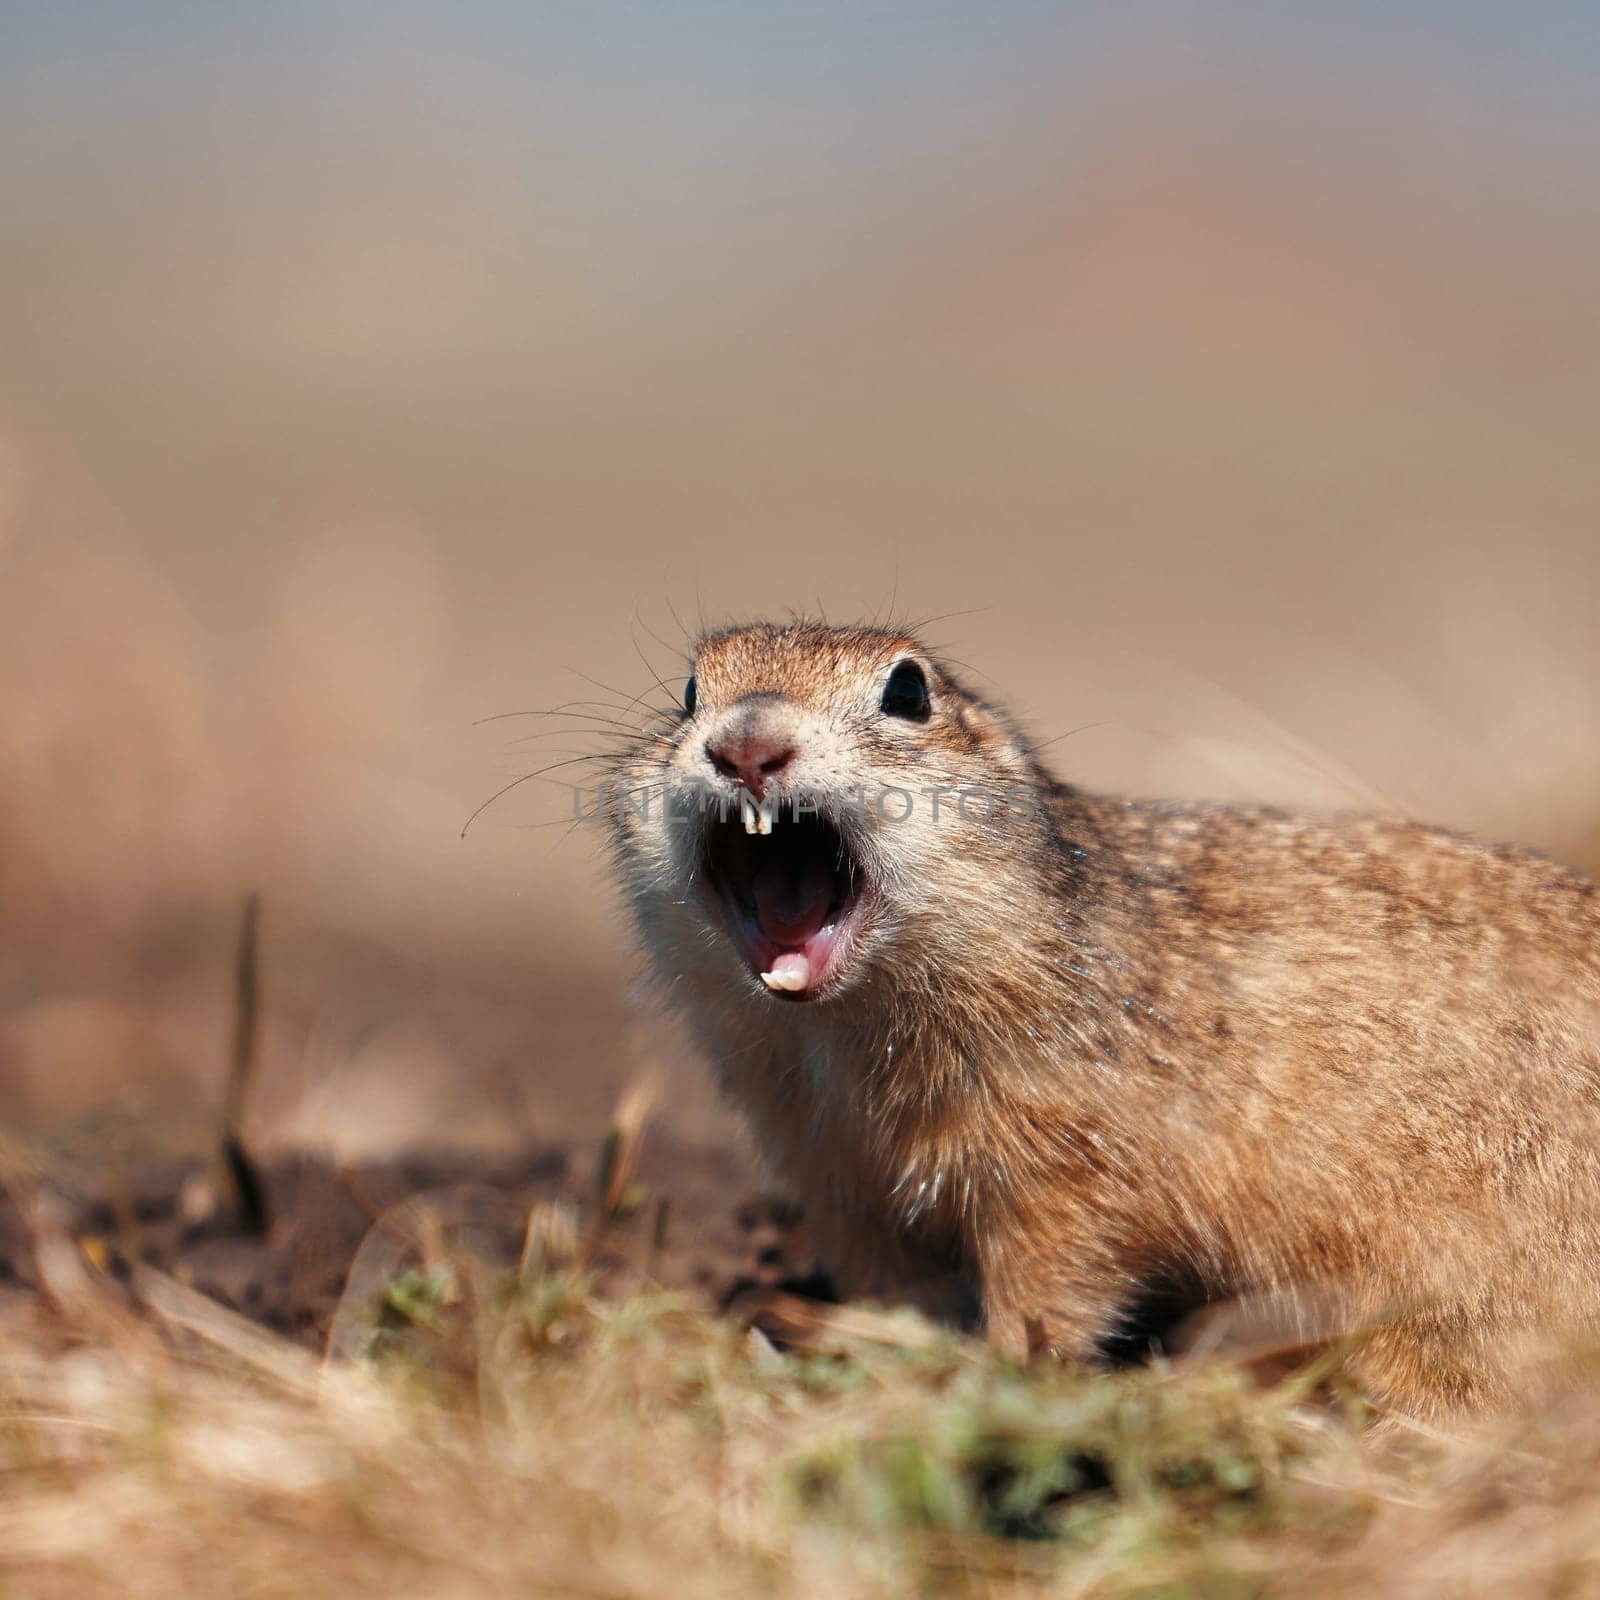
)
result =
(791, 894)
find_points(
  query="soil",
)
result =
(326, 1234)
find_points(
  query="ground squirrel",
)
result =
(1103, 1061)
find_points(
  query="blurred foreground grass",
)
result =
(539, 1433)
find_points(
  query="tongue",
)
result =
(792, 901)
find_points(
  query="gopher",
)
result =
(1090, 1063)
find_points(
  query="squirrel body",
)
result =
(1096, 1063)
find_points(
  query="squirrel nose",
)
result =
(751, 758)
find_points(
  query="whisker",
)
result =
(660, 682)
(921, 623)
(526, 777)
(1034, 749)
(628, 728)
(631, 700)
(591, 733)
(688, 638)
(620, 703)
(656, 636)
(586, 708)
(578, 756)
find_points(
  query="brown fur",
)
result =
(1118, 1051)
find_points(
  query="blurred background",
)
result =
(1232, 373)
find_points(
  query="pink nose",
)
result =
(750, 758)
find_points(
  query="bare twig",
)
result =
(199, 1315)
(796, 1323)
(239, 1169)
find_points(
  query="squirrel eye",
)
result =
(688, 697)
(906, 693)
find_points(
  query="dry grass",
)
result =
(554, 1430)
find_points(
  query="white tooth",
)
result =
(783, 980)
(765, 819)
(747, 812)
